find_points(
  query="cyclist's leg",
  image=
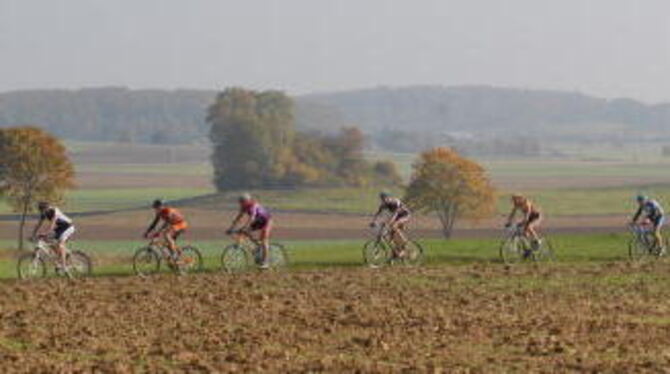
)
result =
(531, 228)
(169, 237)
(61, 239)
(266, 232)
(658, 236)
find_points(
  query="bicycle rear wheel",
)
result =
(639, 250)
(190, 260)
(146, 261)
(31, 266)
(79, 264)
(375, 253)
(513, 251)
(545, 253)
(235, 259)
(413, 253)
(278, 257)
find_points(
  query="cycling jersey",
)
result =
(394, 205)
(652, 209)
(171, 215)
(63, 227)
(260, 217)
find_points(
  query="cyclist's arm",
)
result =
(637, 215)
(37, 227)
(236, 220)
(153, 225)
(376, 216)
(511, 215)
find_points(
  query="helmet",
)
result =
(42, 205)
(157, 203)
(384, 194)
(244, 197)
(640, 198)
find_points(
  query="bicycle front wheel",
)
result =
(146, 261)
(31, 266)
(190, 260)
(79, 264)
(375, 253)
(234, 259)
(512, 251)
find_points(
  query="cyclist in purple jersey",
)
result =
(258, 219)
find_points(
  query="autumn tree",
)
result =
(451, 186)
(34, 166)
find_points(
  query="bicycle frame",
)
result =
(642, 234)
(45, 249)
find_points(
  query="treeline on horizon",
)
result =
(395, 119)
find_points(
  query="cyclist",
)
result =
(59, 224)
(174, 224)
(531, 218)
(397, 222)
(258, 219)
(653, 212)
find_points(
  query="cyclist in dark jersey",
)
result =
(397, 222)
(59, 224)
(653, 212)
(258, 219)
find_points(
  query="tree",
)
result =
(34, 166)
(451, 186)
(251, 132)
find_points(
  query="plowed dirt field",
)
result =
(476, 318)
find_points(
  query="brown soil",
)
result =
(480, 318)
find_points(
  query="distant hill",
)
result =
(489, 110)
(432, 112)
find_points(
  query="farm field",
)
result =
(477, 317)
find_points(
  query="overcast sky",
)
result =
(609, 48)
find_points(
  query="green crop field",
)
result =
(570, 249)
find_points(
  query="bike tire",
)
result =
(279, 259)
(414, 255)
(638, 251)
(190, 260)
(375, 253)
(546, 252)
(146, 261)
(79, 264)
(235, 259)
(512, 251)
(30, 266)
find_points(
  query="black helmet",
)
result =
(157, 203)
(42, 205)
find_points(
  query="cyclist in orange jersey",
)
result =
(174, 224)
(531, 217)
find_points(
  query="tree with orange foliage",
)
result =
(34, 166)
(451, 186)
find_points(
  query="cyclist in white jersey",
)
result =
(58, 223)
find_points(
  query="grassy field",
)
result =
(113, 257)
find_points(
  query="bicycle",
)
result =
(517, 247)
(148, 259)
(34, 264)
(236, 257)
(642, 244)
(384, 250)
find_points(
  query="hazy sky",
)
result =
(609, 48)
